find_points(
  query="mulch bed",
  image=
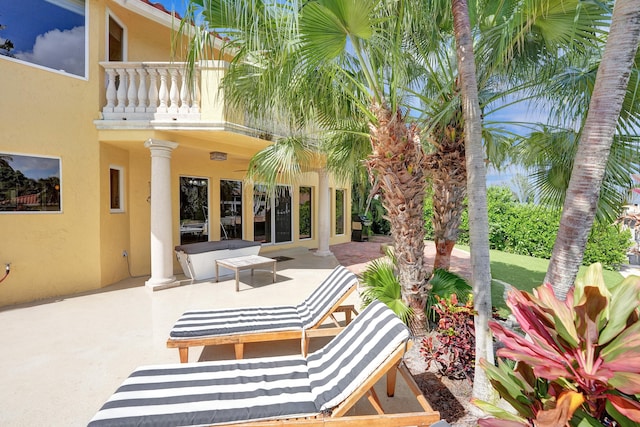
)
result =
(452, 398)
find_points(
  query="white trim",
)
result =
(121, 194)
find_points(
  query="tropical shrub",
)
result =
(453, 346)
(528, 229)
(379, 281)
(444, 284)
(579, 362)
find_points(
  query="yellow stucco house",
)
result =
(108, 161)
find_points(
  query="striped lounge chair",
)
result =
(256, 324)
(315, 390)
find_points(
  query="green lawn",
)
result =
(523, 272)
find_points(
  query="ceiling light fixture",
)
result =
(217, 155)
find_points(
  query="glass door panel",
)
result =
(231, 209)
(194, 209)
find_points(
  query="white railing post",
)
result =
(184, 93)
(164, 92)
(174, 96)
(122, 90)
(153, 90)
(111, 89)
(142, 91)
(134, 92)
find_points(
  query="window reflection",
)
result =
(29, 183)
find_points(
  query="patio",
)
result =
(62, 359)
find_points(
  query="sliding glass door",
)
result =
(272, 215)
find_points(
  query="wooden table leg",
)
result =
(273, 269)
(217, 275)
(237, 279)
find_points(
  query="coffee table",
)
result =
(249, 262)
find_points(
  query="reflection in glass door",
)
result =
(272, 213)
(231, 209)
(194, 209)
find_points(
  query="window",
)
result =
(49, 34)
(29, 183)
(194, 209)
(339, 211)
(272, 215)
(231, 209)
(116, 46)
(116, 189)
(304, 213)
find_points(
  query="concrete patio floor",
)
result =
(62, 359)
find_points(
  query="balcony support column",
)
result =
(324, 214)
(161, 233)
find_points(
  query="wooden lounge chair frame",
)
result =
(239, 340)
(335, 407)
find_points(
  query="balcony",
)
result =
(160, 92)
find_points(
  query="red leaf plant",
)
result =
(577, 361)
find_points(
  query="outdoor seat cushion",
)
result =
(205, 393)
(340, 367)
(201, 247)
(245, 320)
(232, 321)
(325, 296)
(282, 387)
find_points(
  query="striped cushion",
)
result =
(203, 323)
(325, 296)
(336, 370)
(210, 393)
(232, 321)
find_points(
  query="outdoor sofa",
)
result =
(198, 260)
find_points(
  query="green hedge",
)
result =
(528, 229)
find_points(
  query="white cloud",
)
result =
(60, 50)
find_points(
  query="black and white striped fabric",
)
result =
(326, 296)
(227, 392)
(210, 393)
(340, 367)
(232, 321)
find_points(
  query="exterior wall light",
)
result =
(217, 155)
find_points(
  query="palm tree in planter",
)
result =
(350, 51)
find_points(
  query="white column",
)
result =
(161, 233)
(324, 214)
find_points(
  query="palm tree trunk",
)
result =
(449, 179)
(398, 160)
(477, 191)
(580, 203)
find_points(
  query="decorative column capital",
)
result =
(159, 147)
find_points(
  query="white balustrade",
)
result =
(151, 91)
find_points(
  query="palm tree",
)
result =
(359, 42)
(330, 59)
(477, 190)
(595, 144)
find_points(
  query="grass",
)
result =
(524, 273)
